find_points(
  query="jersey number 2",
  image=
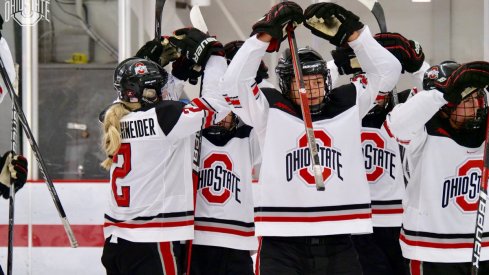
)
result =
(120, 172)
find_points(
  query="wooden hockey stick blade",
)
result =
(158, 14)
(198, 20)
(377, 10)
(306, 114)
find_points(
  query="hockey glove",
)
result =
(196, 45)
(12, 167)
(463, 80)
(346, 61)
(275, 22)
(183, 69)
(408, 52)
(161, 52)
(331, 22)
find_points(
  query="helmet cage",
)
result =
(224, 126)
(312, 64)
(468, 120)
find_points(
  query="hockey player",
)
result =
(443, 130)
(224, 216)
(305, 231)
(380, 252)
(147, 142)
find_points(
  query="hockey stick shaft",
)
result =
(481, 208)
(377, 10)
(158, 15)
(37, 153)
(11, 210)
(306, 114)
(198, 22)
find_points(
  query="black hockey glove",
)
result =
(408, 52)
(161, 52)
(346, 61)
(183, 69)
(275, 22)
(331, 22)
(15, 167)
(196, 45)
(470, 75)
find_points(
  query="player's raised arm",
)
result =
(341, 27)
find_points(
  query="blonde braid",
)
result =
(111, 139)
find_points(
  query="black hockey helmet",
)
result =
(139, 80)
(466, 115)
(232, 48)
(438, 73)
(312, 63)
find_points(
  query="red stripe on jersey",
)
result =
(150, 224)
(387, 129)
(415, 267)
(257, 264)
(256, 90)
(53, 235)
(225, 230)
(168, 259)
(403, 238)
(208, 114)
(234, 102)
(313, 219)
(387, 211)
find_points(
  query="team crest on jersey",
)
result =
(378, 160)
(462, 190)
(140, 68)
(298, 161)
(217, 182)
(361, 79)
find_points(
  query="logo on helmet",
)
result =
(433, 73)
(140, 68)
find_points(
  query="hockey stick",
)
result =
(37, 154)
(198, 22)
(377, 10)
(158, 14)
(481, 209)
(306, 114)
(11, 209)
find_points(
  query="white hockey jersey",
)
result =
(384, 174)
(288, 204)
(224, 205)
(151, 197)
(441, 197)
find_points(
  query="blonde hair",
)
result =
(111, 138)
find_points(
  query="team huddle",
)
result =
(402, 170)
